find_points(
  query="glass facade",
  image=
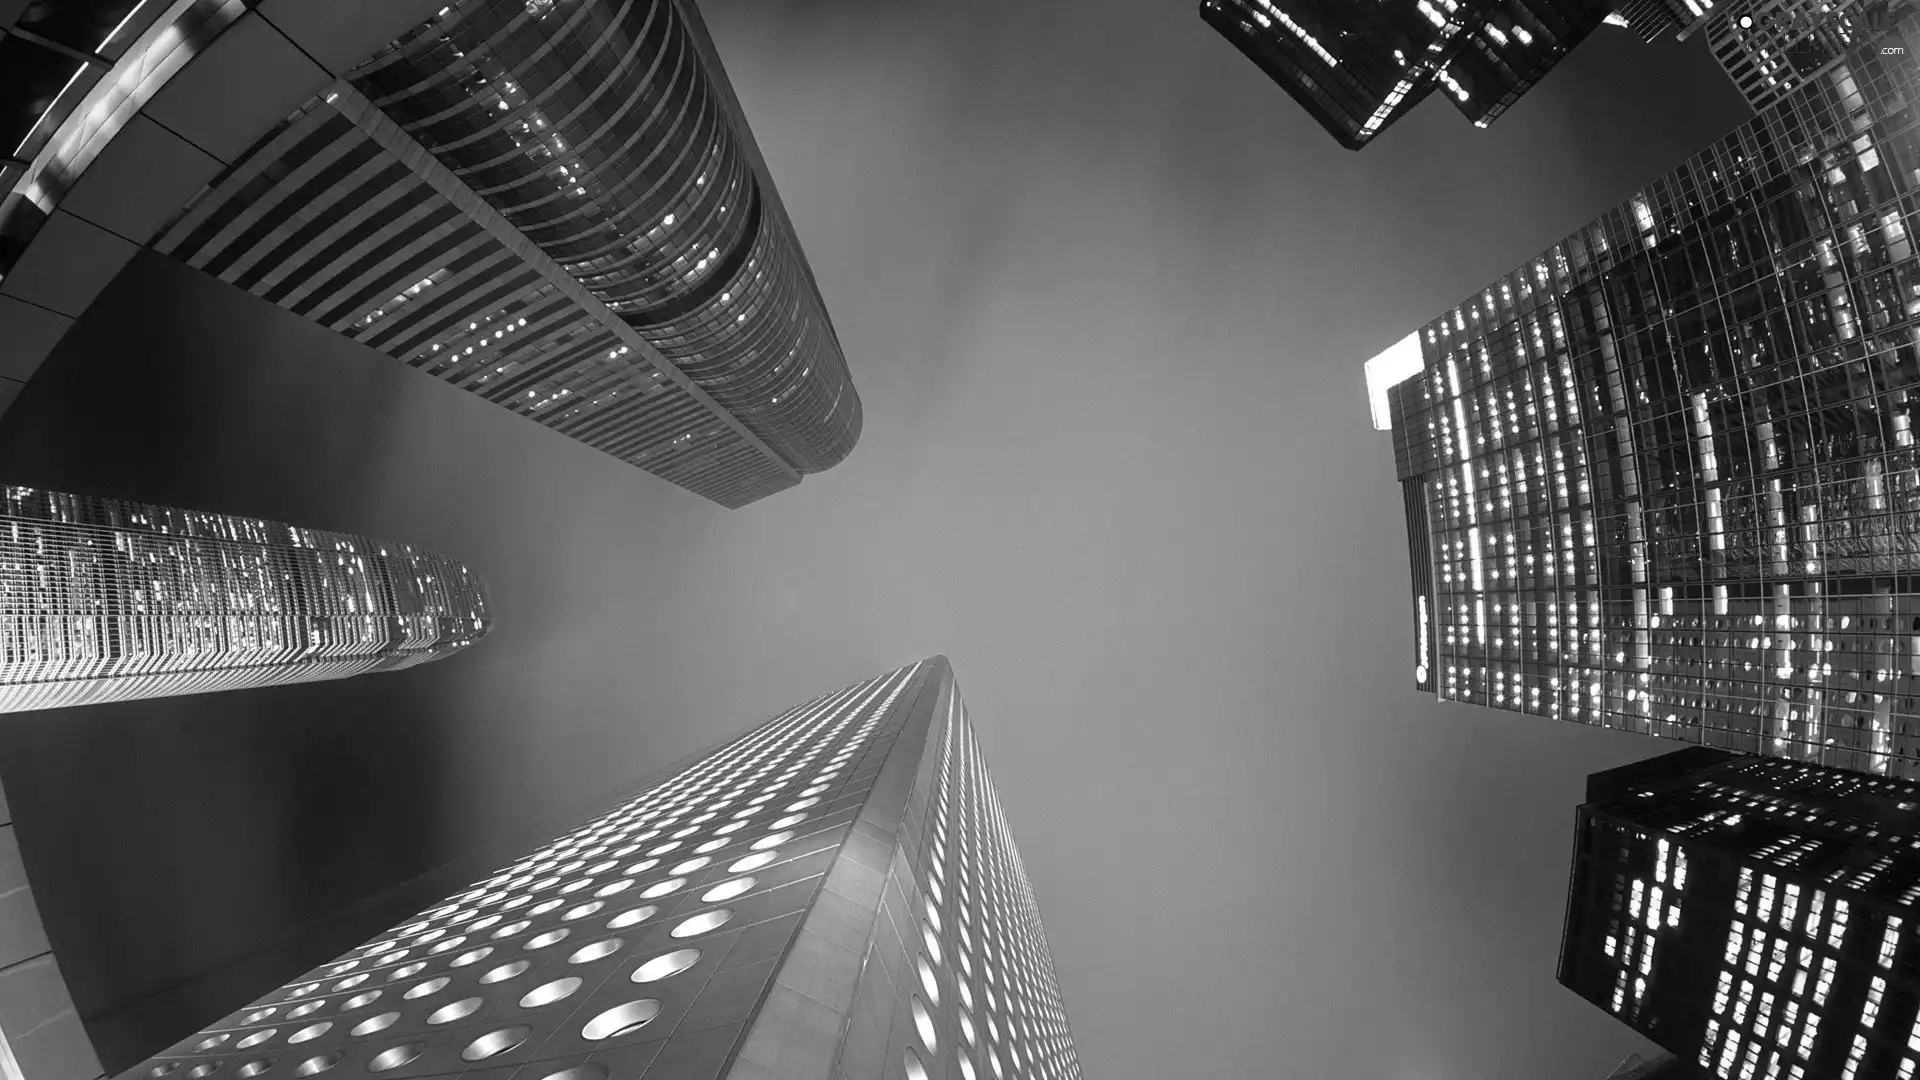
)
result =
(1356, 68)
(102, 600)
(1771, 47)
(1754, 916)
(597, 130)
(556, 207)
(833, 894)
(1668, 465)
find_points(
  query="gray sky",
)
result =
(1105, 291)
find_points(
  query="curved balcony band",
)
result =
(599, 131)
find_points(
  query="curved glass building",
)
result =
(104, 600)
(559, 206)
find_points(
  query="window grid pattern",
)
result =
(318, 219)
(985, 982)
(1756, 915)
(603, 953)
(104, 600)
(600, 132)
(1669, 462)
(1773, 47)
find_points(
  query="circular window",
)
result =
(505, 972)
(458, 1010)
(551, 937)
(915, 1070)
(622, 1019)
(313, 1032)
(661, 967)
(395, 1057)
(923, 1023)
(256, 1038)
(772, 840)
(406, 972)
(727, 890)
(431, 986)
(753, 862)
(632, 916)
(496, 1042)
(471, 956)
(254, 1068)
(662, 888)
(374, 1023)
(319, 1064)
(587, 954)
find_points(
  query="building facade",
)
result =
(834, 894)
(1754, 916)
(103, 600)
(1356, 68)
(1769, 48)
(1662, 477)
(560, 208)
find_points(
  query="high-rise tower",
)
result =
(558, 207)
(1356, 68)
(1771, 47)
(103, 600)
(834, 894)
(1662, 477)
(1754, 916)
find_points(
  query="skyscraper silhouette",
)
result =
(1662, 477)
(834, 893)
(104, 600)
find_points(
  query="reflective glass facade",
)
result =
(556, 206)
(1771, 47)
(1356, 68)
(834, 894)
(1754, 916)
(1667, 467)
(102, 600)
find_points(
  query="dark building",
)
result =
(560, 208)
(1651, 20)
(1665, 472)
(103, 600)
(1356, 68)
(1658, 1067)
(834, 894)
(1752, 915)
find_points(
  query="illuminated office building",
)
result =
(1752, 915)
(1651, 20)
(834, 894)
(1356, 68)
(103, 600)
(560, 208)
(1662, 477)
(1771, 47)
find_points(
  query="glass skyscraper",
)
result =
(1662, 477)
(103, 600)
(1356, 68)
(1752, 915)
(1771, 47)
(834, 894)
(560, 208)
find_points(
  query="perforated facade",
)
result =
(1668, 466)
(1356, 68)
(557, 207)
(103, 600)
(1754, 916)
(834, 894)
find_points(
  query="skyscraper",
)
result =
(103, 600)
(1356, 68)
(834, 893)
(1770, 47)
(1662, 477)
(558, 207)
(1752, 915)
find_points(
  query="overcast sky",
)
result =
(1105, 291)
